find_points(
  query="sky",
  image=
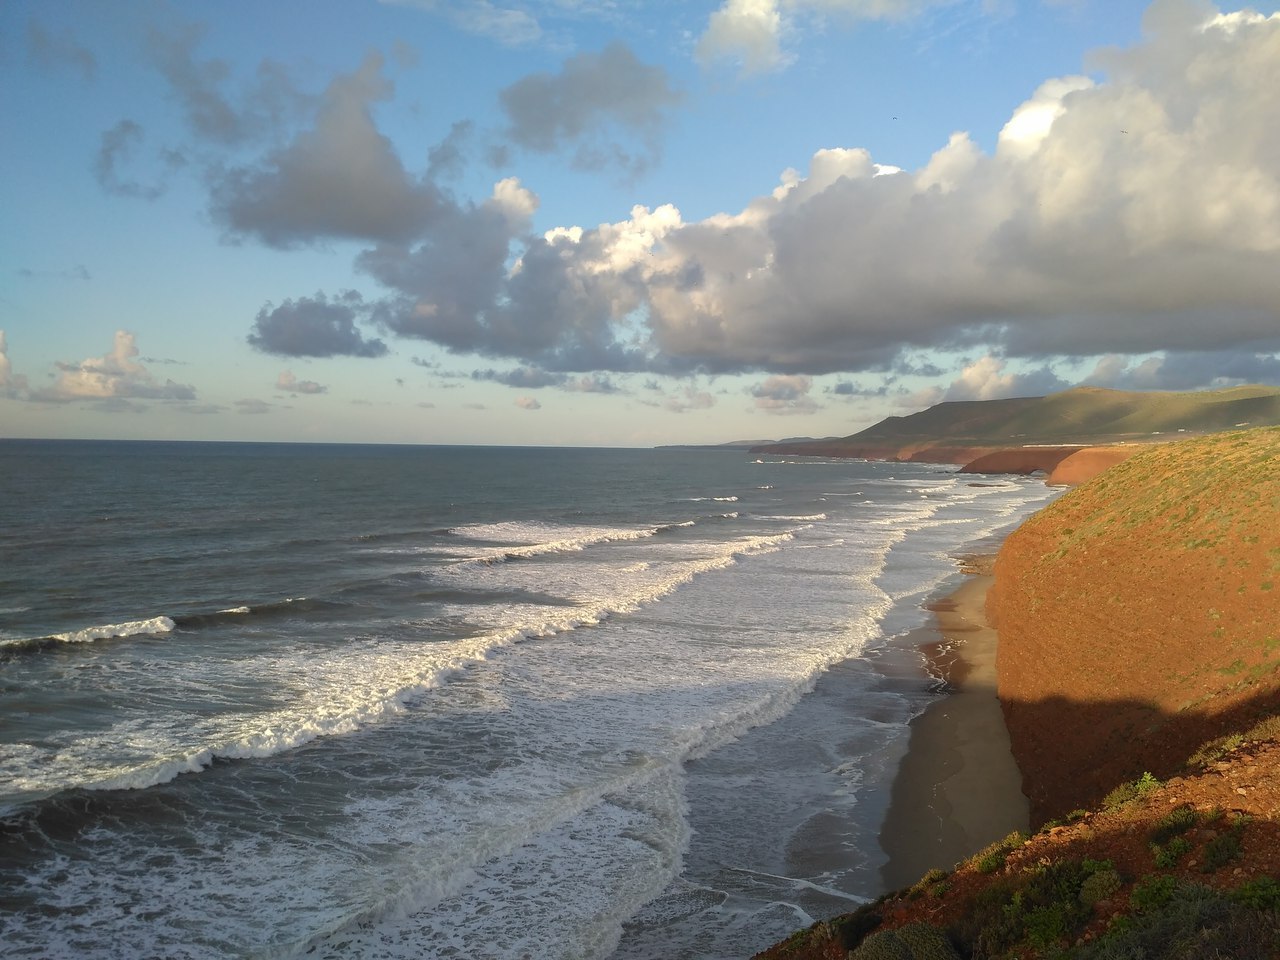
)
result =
(620, 222)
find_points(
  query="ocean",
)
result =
(335, 701)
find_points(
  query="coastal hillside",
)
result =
(959, 431)
(1139, 615)
(1139, 671)
(1181, 869)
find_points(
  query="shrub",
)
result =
(1153, 892)
(1175, 822)
(931, 884)
(992, 858)
(1260, 894)
(1193, 923)
(1220, 851)
(1225, 847)
(1130, 791)
(1167, 857)
(915, 941)
(1101, 885)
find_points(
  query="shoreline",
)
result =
(958, 787)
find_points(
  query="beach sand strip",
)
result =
(958, 788)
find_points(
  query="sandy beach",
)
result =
(958, 787)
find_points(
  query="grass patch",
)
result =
(992, 858)
(1130, 791)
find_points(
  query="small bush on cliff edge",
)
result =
(1130, 791)
(992, 858)
(1189, 922)
(915, 941)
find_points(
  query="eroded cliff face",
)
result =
(1087, 463)
(1139, 615)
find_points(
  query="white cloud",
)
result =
(528, 403)
(986, 379)
(753, 31)
(1032, 121)
(290, 383)
(117, 375)
(1131, 213)
(749, 30)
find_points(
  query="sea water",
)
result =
(264, 700)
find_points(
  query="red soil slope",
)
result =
(1139, 615)
(1024, 460)
(1087, 463)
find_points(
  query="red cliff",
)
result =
(1139, 615)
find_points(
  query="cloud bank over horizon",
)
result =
(1127, 215)
(1121, 229)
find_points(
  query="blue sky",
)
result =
(624, 223)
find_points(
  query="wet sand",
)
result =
(958, 787)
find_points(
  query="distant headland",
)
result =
(1068, 436)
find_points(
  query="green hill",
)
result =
(1083, 415)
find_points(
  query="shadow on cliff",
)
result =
(1072, 754)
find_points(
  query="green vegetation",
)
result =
(1128, 792)
(1040, 907)
(1225, 847)
(1174, 823)
(992, 858)
(1191, 922)
(915, 941)
(1084, 415)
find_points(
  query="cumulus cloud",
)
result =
(252, 406)
(986, 379)
(1185, 371)
(594, 97)
(118, 375)
(12, 385)
(752, 32)
(785, 395)
(291, 384)
(314, 327)
(528, 403)
(1132, 212)
(747, 30)
(339, 179)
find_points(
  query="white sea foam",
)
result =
(525, 540)
(131, 628)
(555, 797)
(346, 689)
